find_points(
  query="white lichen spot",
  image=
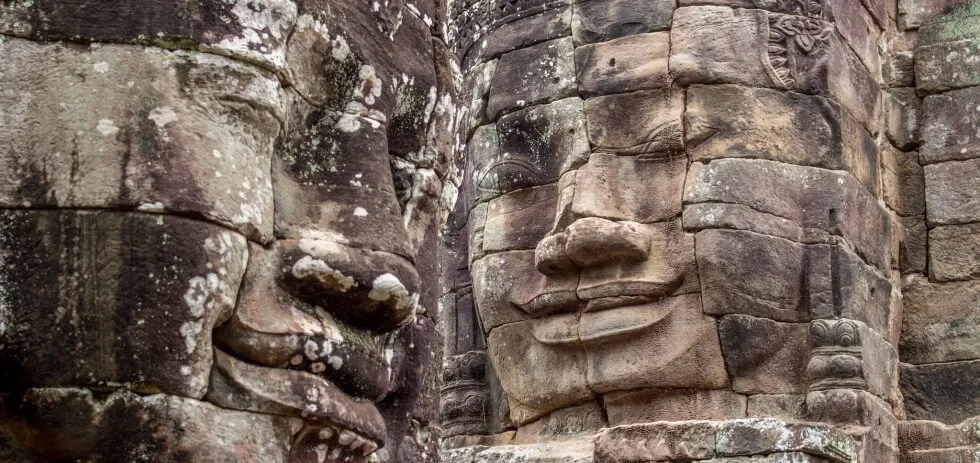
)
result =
(185, 370)
(316, 268)
(360, 212)
(339, 49)
(162, 116)
(101, 67)
(156, 207)
(348, 123)
(107, 127)
(318, 367)
(388, 287)
(190, 330)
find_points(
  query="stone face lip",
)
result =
(242, 386)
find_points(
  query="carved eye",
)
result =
(509, 175)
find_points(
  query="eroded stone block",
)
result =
(763, 436)
(601, 20)
(954, 252)
(649, 405)
(949, 123)
(635, 62)
(149, 329)
(693, 440)
(527, 31)
(945, 392)
(941, 322)
(647, 121)
(539, 74)
(635, 188)
(763, 355)
(902, 182)
(952, 196)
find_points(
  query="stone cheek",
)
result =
(162, 284)
(129, 119)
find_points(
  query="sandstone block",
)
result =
(539, 74)
(912, 250)
(788, 407)
(903, 110)
(711, 44)
(74, 139)
(634, 188)
(954, 252)
(493, 293)
(857, 26)
(703, 216)
(647, 121)
(528, 148)
(941, 322)
(226, 28)
(649, 405)
(599, 20)
(148, 329)
(776, 125)
(925, 435)
(573, 451)
(913, 14)
(583, 419)
(902, 182)
(635, 62)
(543, 377)
(692, 440)
(678, 349)
(947, 65)
(516, 220)
(949, 124)
(529, 30)
(811, 197)
(763, 436)
(945, 392)
(764, 356)
(898, 61)
(951, 193)
(75, 424)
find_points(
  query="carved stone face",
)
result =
(586, 278)
(240, 229)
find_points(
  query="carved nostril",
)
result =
(550, 257)
(593, 241)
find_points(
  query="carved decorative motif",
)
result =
(835, 359)
(792, 38)
(465, 394)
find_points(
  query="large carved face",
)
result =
(244, 225)
(582, 273)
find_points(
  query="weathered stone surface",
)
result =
(941, 322)
(575, 451)
(599, 20)
(942, 64)
(925, 435)
(949, 124)
(898, 59)
(944, 392)
(762, 436)
(527, 31)
(951, 196)
(148, 329)
(532, 147)
(857, 26)
(236, 29)
(529, 76)
(792, 192)
(912, 250)
(776, 125)
(514, 219)
(903, 110)
(560, 424)
(711, 44)
(723, 257)
(762, 356)
(902, 182)
(968, 454)
(635, 123)
(649, 405)
(789, 407)
(680, 349)
(543, 377)
(498, 299)
(635, 62)
(75, 424)
(112, 153)
(954, 252)
(693, 440)
(635, 188)
(913, 14)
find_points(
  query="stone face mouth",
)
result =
(601, 327)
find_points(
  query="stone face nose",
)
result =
(591, 242)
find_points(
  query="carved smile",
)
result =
(594, 328)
